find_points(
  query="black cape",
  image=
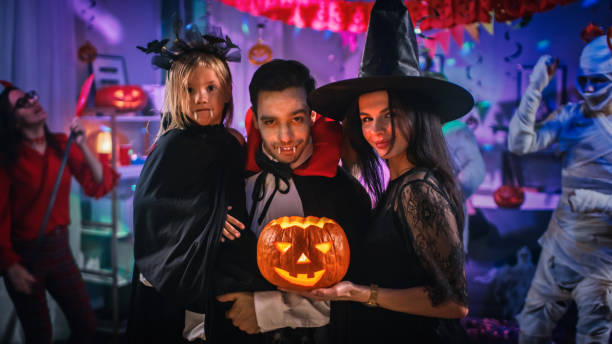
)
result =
(180, 205)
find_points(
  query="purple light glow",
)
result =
(100, 19)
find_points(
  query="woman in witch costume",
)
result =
(190, 179)
(34, 259)
(413, 276)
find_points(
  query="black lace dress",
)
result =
(412, 242)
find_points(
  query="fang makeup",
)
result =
(281, 149)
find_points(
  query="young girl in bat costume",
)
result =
(192, 176)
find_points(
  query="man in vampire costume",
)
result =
(293, 159)
(576, 259)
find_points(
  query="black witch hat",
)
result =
(390, 62)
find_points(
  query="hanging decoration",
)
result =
(472, 29)
(517, 52)
(457, 34)
(260, 53)
(488, 27)
(353, 16)
(87, 52)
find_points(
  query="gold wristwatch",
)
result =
(373, 296)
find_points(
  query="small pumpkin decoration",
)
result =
(87, 52)
(509, 196)
(122, 97)
(302, 254)
(260, 53)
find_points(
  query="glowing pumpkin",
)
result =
(122, 97)
(300, 253)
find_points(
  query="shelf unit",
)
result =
(101, 276)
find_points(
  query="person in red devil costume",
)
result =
(29, 165)
(292, 158)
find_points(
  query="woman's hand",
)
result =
(92, 160)
(20, 278)
(343, 291)
(229, 228)
(77, 127)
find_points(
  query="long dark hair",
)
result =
(426, 148)
(10, 135)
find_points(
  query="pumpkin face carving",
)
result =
(260, 53)
(122, 97)
(300, 253)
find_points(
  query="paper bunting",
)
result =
(472, 29)
(443, 38)
(457, 34)
(353, 16)
(488, 27)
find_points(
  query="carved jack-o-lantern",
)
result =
(303, 253)
(122, 97)
(260, 53)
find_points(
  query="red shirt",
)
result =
(25, 190)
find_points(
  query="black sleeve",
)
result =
(179, 209)
(236, 268)
(426, 216)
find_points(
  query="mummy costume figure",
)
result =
(576, 259)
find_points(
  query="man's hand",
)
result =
(229, 227)
(242, 312)
(20, 278)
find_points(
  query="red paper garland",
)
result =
(353, 16)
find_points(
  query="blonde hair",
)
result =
(176, 99)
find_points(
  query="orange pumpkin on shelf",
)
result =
(122, 97)
(300, 253)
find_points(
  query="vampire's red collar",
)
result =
(327, 144)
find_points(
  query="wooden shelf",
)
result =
(105, 114)
(103, 276)
(105, 233)
(122, 119)
(129, 171)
